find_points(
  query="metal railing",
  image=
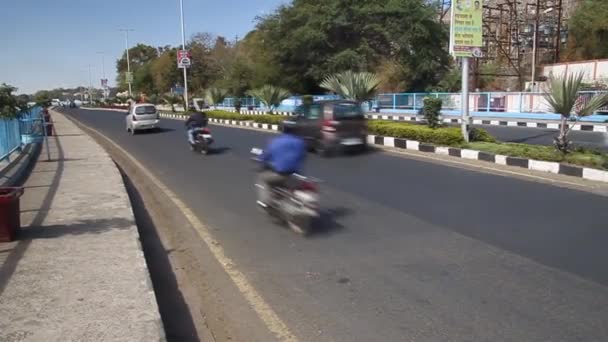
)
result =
(12, 131)
(511, 102)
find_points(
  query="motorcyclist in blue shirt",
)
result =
(283, 157)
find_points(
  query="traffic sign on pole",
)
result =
(129, 77)
(184, 59)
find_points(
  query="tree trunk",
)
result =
(561, 142)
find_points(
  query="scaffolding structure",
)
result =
(520, 35)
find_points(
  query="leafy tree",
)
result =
(311, 39)
(139, 56)
(562, 95)
(269, 95)
(356, 86)
(43, 98)
(8, 102)
(165, 73)
(588, 31)
(215, 96)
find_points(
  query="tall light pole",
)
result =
(181, 8)
(90, 86)
(103, 71)
(126, 31)
(534, 42)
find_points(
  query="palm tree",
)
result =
(215, 96)
(562, 96)
(356, 86)
(269, 95)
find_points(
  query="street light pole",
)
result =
(90, 87)
(534, 56)
(181, 8)
(103, 71)
(126, 31)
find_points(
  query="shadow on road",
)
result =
(328, 223)
(175, 314)
(526, 139)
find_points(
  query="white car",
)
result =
(142, 116)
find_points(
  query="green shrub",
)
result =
(431, 111)
(478, 134)
(447, 136)
(580, 156)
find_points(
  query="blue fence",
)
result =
(498, 104)
(14, 133)
(288, 105)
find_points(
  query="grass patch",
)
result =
(445, 136)
(581, 156)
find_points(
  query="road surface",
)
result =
(543, 136)
(408, 251)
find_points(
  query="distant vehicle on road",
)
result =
(56, 102)
(331, 126)
(142, 116)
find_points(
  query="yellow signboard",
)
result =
(466, 31)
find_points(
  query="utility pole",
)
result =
(464, 120)
(90, 87)
(126, 31)
(181, 8)
(103, 72)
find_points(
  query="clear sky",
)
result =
(50, 43)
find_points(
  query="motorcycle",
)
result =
(296, 204)
(202, 140)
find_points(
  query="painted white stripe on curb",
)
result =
(495, 122)
(371, 139)
(412, 145)
(553, 125)
(576, 127)
(543, 166)
(275, 127)
(477, 122)
(596, 175)
(442, 150)
(469, 154)
(389, 141)
(531, 124)
(598, 128)
(512, 123)
(500, 159)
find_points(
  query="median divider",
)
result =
(464, 153)
(490, 121)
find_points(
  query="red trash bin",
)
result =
(10, 214)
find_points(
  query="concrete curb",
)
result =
(531, 164)
(18, 169)
(497, 122)
(551, 124)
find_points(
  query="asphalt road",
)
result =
(540, 136)
(408, 250)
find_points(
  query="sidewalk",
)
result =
(77, 272)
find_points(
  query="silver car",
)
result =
(142, 116)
